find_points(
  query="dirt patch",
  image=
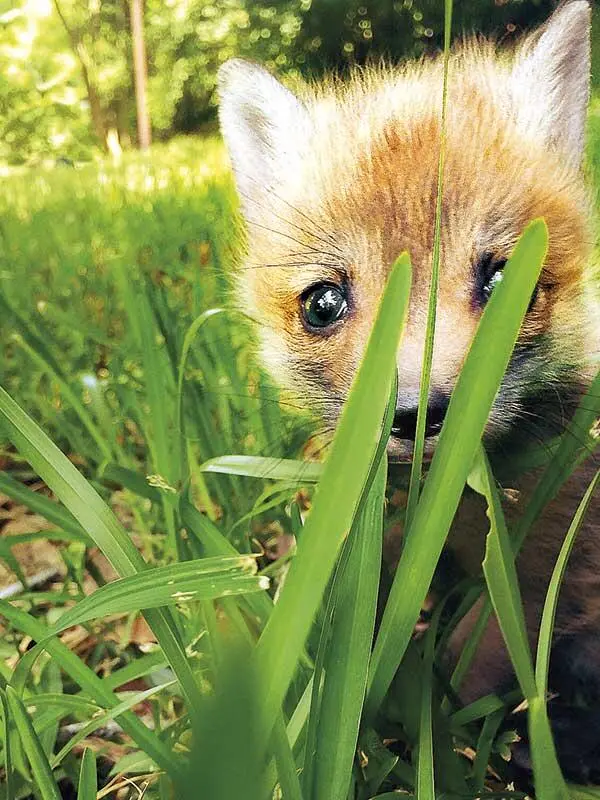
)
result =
(36, 558)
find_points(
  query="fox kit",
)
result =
(336, 181)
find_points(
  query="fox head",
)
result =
(337, 180)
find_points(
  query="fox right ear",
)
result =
(551, 79)
(265, 128)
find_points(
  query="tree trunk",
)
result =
(140, 71)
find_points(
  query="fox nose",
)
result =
(404, 425)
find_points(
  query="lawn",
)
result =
(121, 342)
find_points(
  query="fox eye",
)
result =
(491, 272)
(323, 305)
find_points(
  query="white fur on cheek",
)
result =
(265, 128)
(550, 83)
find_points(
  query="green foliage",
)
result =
(66, 66)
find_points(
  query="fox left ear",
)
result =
(265, 128)
(551, 79)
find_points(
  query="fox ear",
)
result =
(265, 128)
(551, 79)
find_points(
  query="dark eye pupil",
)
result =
(324, 305)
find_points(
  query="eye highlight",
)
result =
(490, 272)
(323, 305)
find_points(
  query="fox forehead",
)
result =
(366, 186)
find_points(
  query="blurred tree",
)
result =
(140, 71)
(42, 105)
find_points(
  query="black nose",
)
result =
(404, 425)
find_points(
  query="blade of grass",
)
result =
(200, 579)
(463, 428)
(318, 675)
(139, 668)
(287, 770)
(417, 460)
(551, 602)
(503, 586)
(104, 450)
(565, 460)
(548, 778)
(347, 657)
(484, 748)
(88, 784)
(277, 469)
(40, 768)
(138, 484)
(215, 544)
(228, 725)
(425, 774)
(189, 337)
(8, 766)
(346, 471)
(341, 610)
(155, 373)
(477, 710)
(574, 446)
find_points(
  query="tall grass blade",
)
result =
(7, 746)
(467, 415)
(347, 657)
(425, 774)
(43, 506)
(188, 339)
(501, 577)
(503, 584)
(549, 782)
(228, 725)
(104, 450)
(101, 719)
(551, 602)
(214, 544)
(417, 460)
(111, 473)
(576, 444)
(347, 468)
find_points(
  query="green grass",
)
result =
(125, 396)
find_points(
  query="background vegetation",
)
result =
(114, 271)
(67, 87)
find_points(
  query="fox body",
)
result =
(336, 180)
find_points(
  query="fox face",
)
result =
(337, 180)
